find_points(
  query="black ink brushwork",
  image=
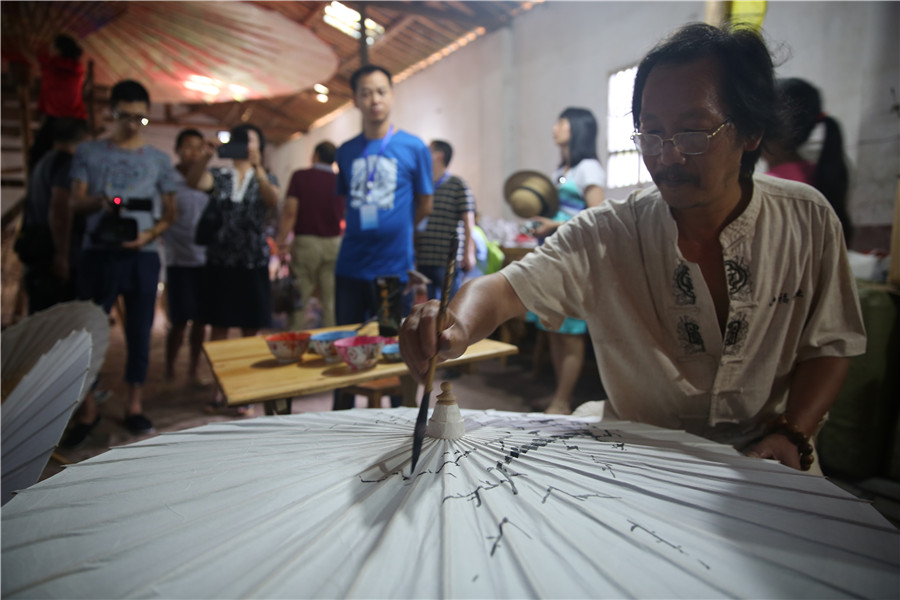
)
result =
(476, 495)
(500, 535)
(581, 497)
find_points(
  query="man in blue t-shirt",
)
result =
(126, 176)
(385, 174)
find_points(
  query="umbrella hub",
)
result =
(446, 421)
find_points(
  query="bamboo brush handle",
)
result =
(442, 312)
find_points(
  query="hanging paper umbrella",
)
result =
(35, 414)
(322, 505)
(181, 51)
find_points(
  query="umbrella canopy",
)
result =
(323, 505)
(24, 343)
(35, 414)
(182, 51)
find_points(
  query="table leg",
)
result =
(281, 406)
(409, 388)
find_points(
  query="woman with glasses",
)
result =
(579, 179)
(800, 112)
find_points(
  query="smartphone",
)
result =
(233, 150)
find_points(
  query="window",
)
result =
(625, 167)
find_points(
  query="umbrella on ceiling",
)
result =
(322, 505)
(182, 51)
(35, 414)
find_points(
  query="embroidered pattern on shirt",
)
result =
(684, 286)
(784, 298)
(739, 282)
(735, 334)
(689, 336)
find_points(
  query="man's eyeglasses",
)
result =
(136, 119)
(689, 143)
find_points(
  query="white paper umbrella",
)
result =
(321, 505)
(26, 341)
(35, 414)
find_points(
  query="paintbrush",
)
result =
(422, 418)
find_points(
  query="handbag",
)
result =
(209, 224)
(285, 295)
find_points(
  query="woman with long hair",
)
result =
(800, 111)
(237, 291)
(579, 179)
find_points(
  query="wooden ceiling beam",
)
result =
(419, 9)
(313, 14)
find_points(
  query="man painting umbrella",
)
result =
(717, 302)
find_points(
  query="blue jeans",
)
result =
(104, 275)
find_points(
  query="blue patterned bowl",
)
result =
(391, 353)
(323, 344)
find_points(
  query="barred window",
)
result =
(625, 167)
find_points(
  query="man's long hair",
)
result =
(747, 84)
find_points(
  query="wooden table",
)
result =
(247, 373)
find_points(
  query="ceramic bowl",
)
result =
(391, 352)
(323, 344)
(360, 352)
(288, 346)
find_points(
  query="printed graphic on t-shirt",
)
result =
(382, 186)
(125, 177)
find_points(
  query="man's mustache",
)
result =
(672, 175)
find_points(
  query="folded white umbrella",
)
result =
(322, 505)
(32, 337)
(35, 414)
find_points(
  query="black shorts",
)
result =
(235, 297)
(184, 289)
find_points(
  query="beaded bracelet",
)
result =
(795, 436)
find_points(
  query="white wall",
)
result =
(496, 99)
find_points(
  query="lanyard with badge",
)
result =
(368, 212)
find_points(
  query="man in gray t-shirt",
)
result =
(124, 174)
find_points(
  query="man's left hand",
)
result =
(778, 447)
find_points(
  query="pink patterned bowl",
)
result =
(288, 346)
(323, 344)
(360, 352)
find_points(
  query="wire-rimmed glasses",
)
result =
(689, 143)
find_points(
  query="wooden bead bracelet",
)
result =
(784, 427)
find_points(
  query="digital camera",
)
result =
(113, 228)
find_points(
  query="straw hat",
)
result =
(530, 194)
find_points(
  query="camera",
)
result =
(113, 228)
(234, 150)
